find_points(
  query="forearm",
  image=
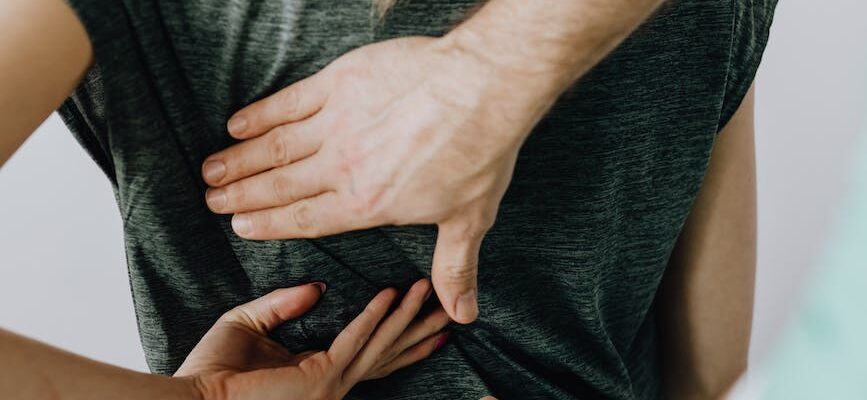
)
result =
(32, 370)
(548, 44)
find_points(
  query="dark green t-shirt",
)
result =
(569, 273)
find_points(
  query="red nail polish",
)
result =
(441, 341)
(321, 286)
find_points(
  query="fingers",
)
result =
(350, 341)
(418, 342)
(282, 145)
(275, 308)
(294, 103)
(420, 330)
(410, 356)
(277, 187)
(454, 269)
(311, 217)
(390, 330)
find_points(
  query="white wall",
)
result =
(62, 270)
(810, 108)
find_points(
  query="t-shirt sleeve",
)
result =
(750, 31)
(84, 112)
(106, 24)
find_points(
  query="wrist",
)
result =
(514, 43)
(507, 64)
(194, 386)
(507, 99)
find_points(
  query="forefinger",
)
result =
(350, 341)
(291, 104)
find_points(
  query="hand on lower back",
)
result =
(236, 359)
(407, 131)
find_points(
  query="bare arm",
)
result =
(32, 370)
(548, 44)
(706, 300)
(44, 52)
(237, 360)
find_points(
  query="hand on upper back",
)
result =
(237, 360)
(401, 132)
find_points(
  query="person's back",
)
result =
(568, 274)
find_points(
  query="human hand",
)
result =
(236, 359)
(408, 131)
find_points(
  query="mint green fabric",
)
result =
(824, 356)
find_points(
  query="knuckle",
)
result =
(460, 271)
(352, 331)
(289, 100)
(379, 358)
(470, 229)
(422, 352)
(361, 339)
(347, 158)
(343, 168)
(370, 311)
(278, 148)
(238, 315)
(282, 188)
(260, 222)
(302, 218)
(385, 357)
(235, 195)
(365, 205)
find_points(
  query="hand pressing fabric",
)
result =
(237, 360)
(408, 131)
(414, 130)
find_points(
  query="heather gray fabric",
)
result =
(569, 273)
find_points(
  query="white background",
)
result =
(62, 269)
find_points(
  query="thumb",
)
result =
(270, 311)
(455, 264)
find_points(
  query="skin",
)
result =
(57, 53)
(236, 359)
(465, 81)
(434, 141)
(706, 299)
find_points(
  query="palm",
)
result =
(230, 346)
(237, 360)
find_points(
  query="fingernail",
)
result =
(321, 286)
(242, 225)
(237, 125)
(216, 198)
(467, 308)
(214, 171)
(441, 341)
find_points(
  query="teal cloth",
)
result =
(824, 355)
